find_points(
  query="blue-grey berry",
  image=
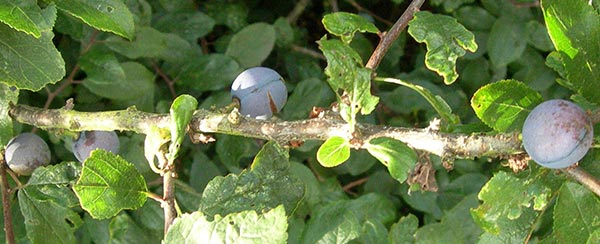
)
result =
(557, 134)
(92, 140)
(26, 152)
(260, 91)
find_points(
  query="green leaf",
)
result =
(252, 45)
(341, 221)
(265, 186)
(346, 73)
(577, 210)
(206, 72)
(181, 114)
(508, 196)
(242, 227)
(403, 231)
(446, 41)
(46, 203)
(7, 96)
(507, 41)
(334, 151)
(345, 25)
(231, 149)
(504, 105)
(122, 229)
(47, 221)
(455, 227)
(436, 101)
(106, 77)
(106, 15)
(26, 16)
(574, 28)
(109, 184)
(298, 107)
(190, 25)
(27, 62)
(395, 155)
(150, 43)
(331, 224)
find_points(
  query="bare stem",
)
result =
(169, 198)
(8, 225)
(360, 8)
(308, 52)
(297, 11)
(389, 37)
(584, 178)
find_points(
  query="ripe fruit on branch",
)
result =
(260, 91)
(557, 134)
(26, 152)
(91, 140)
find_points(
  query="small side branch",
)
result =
(389, 37)
(584, 178)
(8, 225)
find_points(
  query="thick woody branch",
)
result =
(443, 144)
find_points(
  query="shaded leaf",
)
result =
(265, 186)
(109, 184)
(242, 227)
(507, 41)
(403, 231)
(577, 210)
(150, 43)
(206, 73)
(455, 227)
(106, 77)
(504, 105)
(446, 41)
(46, 203)
(252, 45)
(190, 25)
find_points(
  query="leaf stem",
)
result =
(389, 37)
(584, 178)
(8, 225)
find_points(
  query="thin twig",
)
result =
(360, 8)
(355, 183)
(308, 52)
(69, 80)
(334, 6)
(584, 178)
(170, 83)
(389, 37)
(297, 11)
(8, 224)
